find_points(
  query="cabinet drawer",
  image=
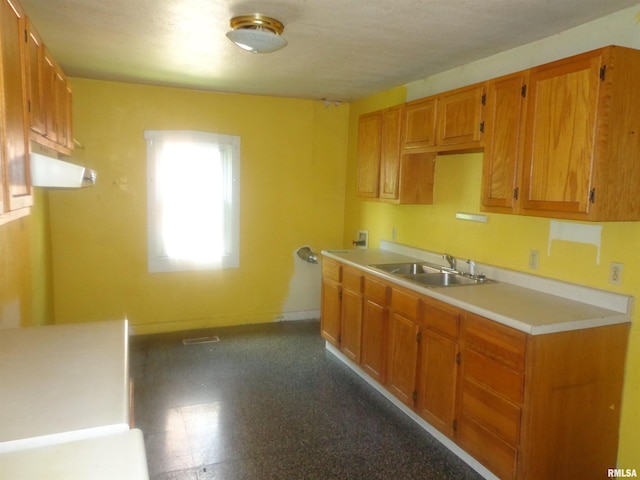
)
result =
(501, 379)
(404, 303)
(352, 279)
(331, 269)
(495, 454)
(376, 291)
(444, 320)
(503, 344)
(497, 415)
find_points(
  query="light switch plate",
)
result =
(363, 235)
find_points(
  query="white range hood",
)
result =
(50, 172)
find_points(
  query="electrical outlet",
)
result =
(394, 233)
(534, 258)
(615, 273)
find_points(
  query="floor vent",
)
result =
(199, 340)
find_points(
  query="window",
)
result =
(193, 200)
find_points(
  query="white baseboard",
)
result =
(303, 315)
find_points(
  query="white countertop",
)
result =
(63, 382)
(118, 456)
(531, 310)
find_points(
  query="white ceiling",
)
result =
(339, 50)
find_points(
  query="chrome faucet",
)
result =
(450, 260)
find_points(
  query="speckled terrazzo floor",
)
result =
(268, 402)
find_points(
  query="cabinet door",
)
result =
(403, 358)
(368, 156)
(373, 339)
(15, 146)
(460, 115)
(503, 142)
(439, 360)
(330, 313)
(559, 137)
(35, 77)
(437, 380)
(420, 123)
(390, 152)
(62, 109)
(48, 95)
(351, 325)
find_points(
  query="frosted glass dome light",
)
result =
(257, 33)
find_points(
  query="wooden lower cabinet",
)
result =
(374, 333)
(403, 339)
(341, 314)
(527, 407)
(491, 392)
(331, 301)
(571, 411)
(438, 366)
(374, 328)
(351, 328)
(402, 363)
(540, 406)
(330, 313)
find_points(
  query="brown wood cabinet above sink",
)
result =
(560, 140)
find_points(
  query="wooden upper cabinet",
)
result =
(560, 135)
(459, 117)
(53, 126)
(368, 160)
(560, 140)
(450, 121)
(420, 123)
(62, 109)
(48, 96)
(504, 112)
(14, 150)
(384, 171)
(391, 130)
(34, 54)
(582, 138)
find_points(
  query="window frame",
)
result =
(157, 260)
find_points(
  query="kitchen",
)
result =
(299, 159)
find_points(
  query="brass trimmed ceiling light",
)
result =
(257, 33)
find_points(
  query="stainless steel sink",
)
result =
(429, 275)
(441, 279)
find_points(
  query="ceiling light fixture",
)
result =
(257, 33)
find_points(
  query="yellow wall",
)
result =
(15, 268)
(293, 155)
(25, 273)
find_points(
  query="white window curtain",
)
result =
(193, 200)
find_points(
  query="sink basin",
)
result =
(406, 268)
(429, 275)
(441, 279)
